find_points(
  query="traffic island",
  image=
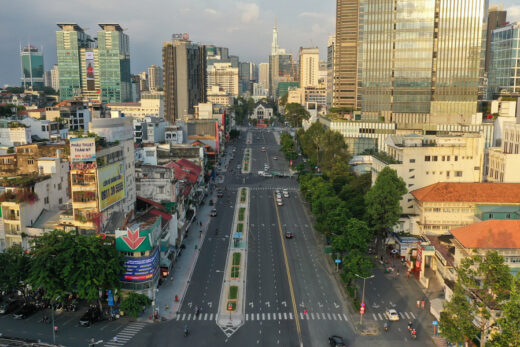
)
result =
(231, 311)
(246, 161)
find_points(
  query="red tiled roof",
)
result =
(470, 192)
(490, 234)
(181, 172)
(151, 202)
(190, 165)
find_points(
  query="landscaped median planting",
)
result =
(241, 212)
(236, 258)
(240, 228)
(246, 161)
(243, 195)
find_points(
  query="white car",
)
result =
(285, 194)
(280, 203)
(277, 191)
(392, 315)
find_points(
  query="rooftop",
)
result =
(490, 234)
(470, 192)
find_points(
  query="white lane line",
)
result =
(334, 315)
(263, 316)
(183, 316)
(268, 316)
(258, 316)
(323, 314)
(178, 317)
(279, 316)
(380, 317)
(312, 315)
(401, 314)
(328, 316)
(406, 314)
(205, 316)
(339, 316)
(375, 317)
(301, 316)
(412, 315)
(290, 315)
(188, 316)
(285, 315)
(344, 315)
(211, 316)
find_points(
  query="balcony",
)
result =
(11, 218)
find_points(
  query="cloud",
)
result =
(513, 13)
(249, 11)
(211, 12)
(312, 15)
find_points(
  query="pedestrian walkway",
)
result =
(126, 334)
(384, 316)
(267, 316)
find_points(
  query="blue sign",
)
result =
(110, 298)
(435, 322)
(337, 261)
(141, 269)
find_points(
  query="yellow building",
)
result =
(444, 206)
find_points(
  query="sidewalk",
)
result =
(182, 268)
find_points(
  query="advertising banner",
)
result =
(82, 149)
(141, 269)
(89, 63)
(111, 184)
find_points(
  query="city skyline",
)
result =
(305, 26)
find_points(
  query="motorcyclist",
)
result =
(186, 331)
(197, 310)
(386, 326)
(409, 326)
(414, 333)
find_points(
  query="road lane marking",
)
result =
(279, 316)
(258, 316)
(205, 316)
(312, 315)
(301, 315)
(188, 316)
(290, 315)
(211, 316)
(375, 317)
(268, 316)
(401, 314)
(183, 316)
(323, 314)
(285, 315)
(339, 316)
(381, 317)
(247, 316)
(263, 316)
(328, 316)
(407, 316)
(334, 315)
(344, 315)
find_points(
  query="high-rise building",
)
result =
(53, 78)
(496, 19)
(155, 77)
(309, 67)
(504, 67)
(281, 68)
(143, 81)
(330, 69)
(32, 67)
(263, 75)
(400, 57)
(69, 42)
(184, 69)
(346, 51)
(225, 76)
(246, 77)
(97, 72)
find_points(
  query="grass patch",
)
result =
(240, 227)
(236, 258)
(235, 272)
(241, 213)
(233, 293)
(243, 194)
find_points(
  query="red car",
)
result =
(289, 234)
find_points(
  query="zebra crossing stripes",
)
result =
(402, 315)
(268, 316)
(125, 335)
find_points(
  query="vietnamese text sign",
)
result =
(111, 183)
(82, 149)
(141, 269)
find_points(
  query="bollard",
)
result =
(176, 298)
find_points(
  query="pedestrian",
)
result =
(305, 311)
(56, 329)
(114, 339)
(200, 233)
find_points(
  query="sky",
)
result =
(245, 27)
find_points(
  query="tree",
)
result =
(383, 201)
(63, 263)
(14, 266)
(133, 304)
(456, 320)
(295, 114)
(508, 326)
(283, 100)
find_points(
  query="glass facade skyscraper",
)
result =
(504, 66)
(32, 68)
(413, 56)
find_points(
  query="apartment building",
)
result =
(504, 161)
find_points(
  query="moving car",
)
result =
(213, 213)
(336, 341)
(91, 316)
(10, 306)
(392, 315)
(275, 158)
(279, 202)
(263, 149)
(289, 234)
(285, 194)
(25, 311)
(267, 174)
(220, 193)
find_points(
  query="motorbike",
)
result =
(414, 335)
(385, 326)
(186, 331)
(197, 311)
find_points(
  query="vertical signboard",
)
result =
(111, 181)
(82, 149)
(89, 63)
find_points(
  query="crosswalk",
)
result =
(292, 189)
(402, 315)
(267, 316)
(126, 334)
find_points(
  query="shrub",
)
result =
(133, 304)
(233, 292)
(236, 258)
(241, 213)
(240, 227)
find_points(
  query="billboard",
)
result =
(111, 184)
(89, 63)
(141, 269)
(82, 149)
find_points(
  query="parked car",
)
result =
(10, 306)
(90, 317)
(263, 149)
(25, 311)
(213, 212)
(289, 234)
(211, 203)
(336, 341)
(275, 158)
(392, 315)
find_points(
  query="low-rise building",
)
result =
(44, 129)
(444, 206)
(13, 133)
(422, 160)
(150, 104)
(24, 160)
(149, 129)
(504, 161)
(262, 112)
(219, 96)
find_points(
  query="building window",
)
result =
(46, 200)
(490, 215)
(447, 174)
(508, 216)
(412, 160)
(30, 162)
(458, 173)
(434, 158)
(443, 158)
(60, 201)
(427, 158)
(448, 158)
(43, 127)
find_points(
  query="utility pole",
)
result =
(363, 298)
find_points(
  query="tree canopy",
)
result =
(295, 114)
(14, 266)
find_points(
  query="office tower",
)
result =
(155, 77)
(184, 69)
(309, 67)
(496, 19)
(69, 42)
(234, 60)
(420, 59)
(504, 67)
(143, 81)
(246, 77)
(281, 68)
(114, 64)
(330, 69)
(263, 75)
(346, 51)
(275, 49)
(31, 60)
(225, 76)
(96, 72)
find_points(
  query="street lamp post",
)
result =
(363, 297)
(52, 314)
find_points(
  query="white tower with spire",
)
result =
(275, 49)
